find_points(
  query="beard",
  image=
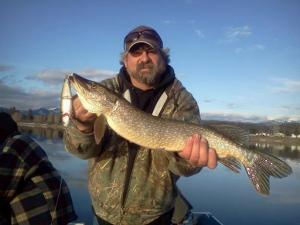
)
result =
(148, 73)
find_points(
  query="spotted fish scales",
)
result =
(158, 133)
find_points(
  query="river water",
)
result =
(229, 196)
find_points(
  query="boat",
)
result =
(194, 218)
(201, 218)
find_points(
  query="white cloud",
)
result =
(236, 33)
(233, 105)
(49, 76)
(191, 21)
(283, 85)
(233, 117)
(200, 33)
(97, 74)
(167, 22)
(21, 99)
(43, 97)
(290, 108)
(208, 100)
(55, 77)
(259, 47)
(252, 48)
(239, 50)
(5, 68)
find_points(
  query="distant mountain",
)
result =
(204, 116)
(251, 125)
(44, 111)
(54, 109)
(40, 111)
(247, 119)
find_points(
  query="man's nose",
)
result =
(145, 56)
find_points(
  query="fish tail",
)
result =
(261, 166)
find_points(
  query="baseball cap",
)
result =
(142, 34)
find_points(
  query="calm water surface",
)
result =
(230, 197)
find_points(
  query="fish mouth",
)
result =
(79, 83)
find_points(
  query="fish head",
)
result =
(95, 97)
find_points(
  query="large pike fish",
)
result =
(157, 133)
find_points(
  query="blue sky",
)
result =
(240, 59)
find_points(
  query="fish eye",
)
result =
(93, 85)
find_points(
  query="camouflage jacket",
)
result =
(151, 190)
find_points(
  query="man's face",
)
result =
(145, 64)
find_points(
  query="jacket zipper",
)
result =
(128, 177)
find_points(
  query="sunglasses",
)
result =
(145, 34)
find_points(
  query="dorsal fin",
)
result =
(234, 133)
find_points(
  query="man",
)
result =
(129, 184)
(31, 190)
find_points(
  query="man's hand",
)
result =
(198, 153)
(84, 120)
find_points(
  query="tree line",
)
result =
(272, 128)
(286, 128)
(29, 116)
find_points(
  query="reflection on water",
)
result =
(71, 168)
(43, 133)
(287, 152)
(230, 197)
(233, 200)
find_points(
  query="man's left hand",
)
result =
(198, 153)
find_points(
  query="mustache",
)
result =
(144, 65)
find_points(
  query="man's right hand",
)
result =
(84, 120)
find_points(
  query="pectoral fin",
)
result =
(99, 128)
(231, 163)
